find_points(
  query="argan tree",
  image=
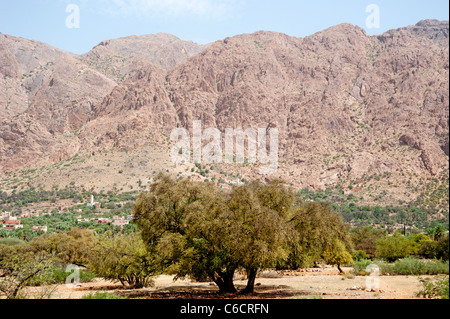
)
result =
(187, 225)
(395, 247)
(19, 265)
(260, 215)
(320, 234)
(365, 238)
(72, 247)
(122, 258)
(198, 230)
(337, 254)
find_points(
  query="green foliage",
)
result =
(73, 247)
(103, 295)
(435, 288)
(58, 275)
(19, 265)
(407, 266)
(415, 214)
(199, 231)
(360, 266)
(122, 258)
(11, 241)
(394, 247)
(359, 255)
(364, 239)
(420, 238)
(319, 234)
(337, 254)
(414, 266)
(435, 249)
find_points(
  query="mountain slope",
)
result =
(119, 58)
(368, 113)
(48, 95)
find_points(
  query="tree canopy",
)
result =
(200, 231)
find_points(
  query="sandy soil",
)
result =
(311, 284)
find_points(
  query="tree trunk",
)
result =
(224, 280)
(340, 270)
(121, 281)
(251, 281)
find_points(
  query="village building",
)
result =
(10, 222)
(121, 223)
(38, 228)
(7, 217)
(102, 220)
(12, 226)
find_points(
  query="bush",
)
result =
(360, 255)
(414, 266)
(360, 266)
(123, 258)
(103, 295)
(437, 288)
(442, 249)
(434, 249)
(407, 266)
(19, 266)
(395, 247)
(57, 275)
(364, 239)
(11, 241)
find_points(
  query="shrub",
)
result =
(434, 249)
(123, 258)
(19, 265)
(428, 249)
(437, 288)
(11, 241)
(442, 248)
(360, 255)
(360, 266)
(414, 266)
(364, 239)
(395, 247)
(57, 275)
(103, 295)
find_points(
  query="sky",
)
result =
(78, 25)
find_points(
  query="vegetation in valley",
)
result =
(198, 231)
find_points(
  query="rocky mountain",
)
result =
(50, 94)
(46, 93)
(349, 107)
(119, 58)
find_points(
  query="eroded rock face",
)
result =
(346, 104)
(119, 59)
(49, 95)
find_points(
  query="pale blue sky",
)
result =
(201, 21)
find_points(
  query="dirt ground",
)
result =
(307, 284)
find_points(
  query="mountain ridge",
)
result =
(348, 105)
